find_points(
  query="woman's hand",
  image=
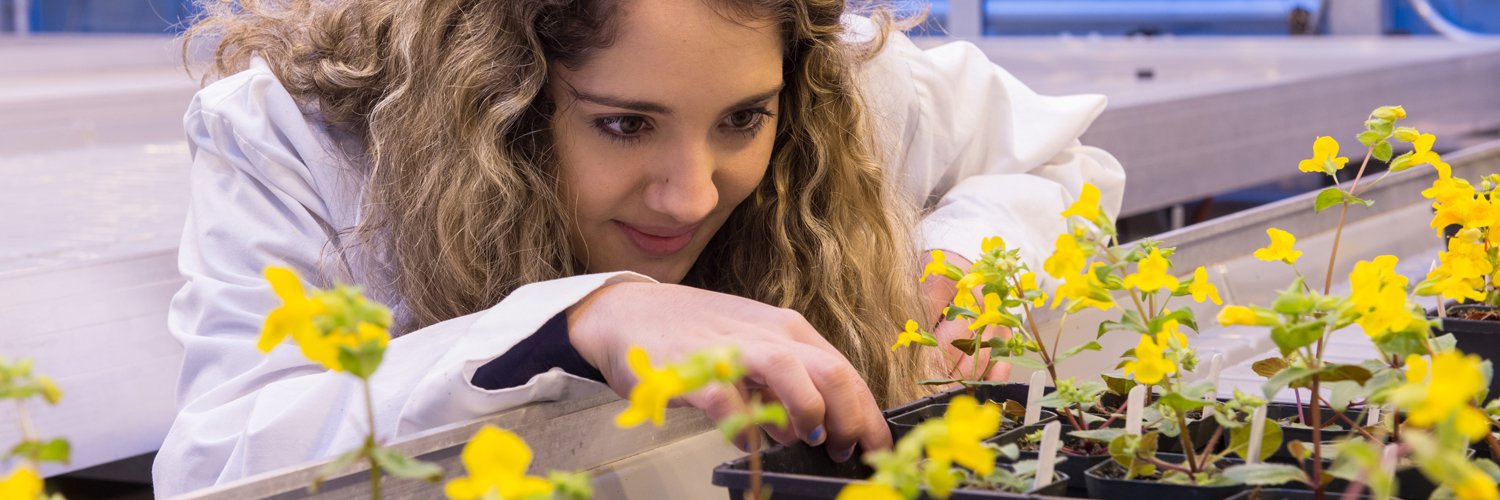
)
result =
(939, 291)
(785, 358)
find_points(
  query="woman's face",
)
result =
(662, 134)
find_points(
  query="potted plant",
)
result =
(1429, 425)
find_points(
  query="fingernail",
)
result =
(816, 437)
(843, 456)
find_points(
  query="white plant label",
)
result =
(1257, 430)
(1047, 456)
(1033, 395)
(1134, 404)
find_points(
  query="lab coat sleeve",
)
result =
(983, 152)
(255, 203)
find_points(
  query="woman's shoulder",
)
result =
(254, 125)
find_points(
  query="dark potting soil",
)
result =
(1072, 446)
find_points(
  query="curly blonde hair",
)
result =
(449, 98)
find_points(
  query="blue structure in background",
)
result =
(1002, 17)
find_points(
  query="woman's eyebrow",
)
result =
(661, 109)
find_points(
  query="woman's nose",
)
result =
(684, 186)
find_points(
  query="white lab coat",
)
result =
(991, 157)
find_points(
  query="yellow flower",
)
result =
(961, 440)
(1028, 283)
(913, 333)
(1476, 485)
(653, 390)
(1280, 247)
(1447, 189)
(869, 491)
(1086, 288)
(967, 284)
(938, 266)
(1422, 153)
(1087, 205)
(1369, 277)
(1151, 274)
(294, 317)
(496, 461)
(23, 483)
(1445, 388)
(941, 480)
(1067, 259)
(1325, 154)
(992, 314)
(1387, 313)
(990, 243)
(1239, 315)
(1149, 365)
(1202, 289)
(1171, 336)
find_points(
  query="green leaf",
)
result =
(1183, 315)
(1382, 127)
(1402, 162)
(1269, 367)
(1286, 377)
(1125, 450)
(1022, 361)
(1129, 320)
(1328, 197)
(338, 465)
(1404, 343)
(964, 345)
(1091, 346)
(1270, 440)
(1445, 342)
(402, 466)
(1118, 386)
(733, 425)
(49, 389)
(770, 413)
(1382, 151)
(1289, 338)
(939, 381)
(56, 450)
(1331, 196)
(1264, 474)
(1369, 137)
(570, 485)
(1180, 403)
(1341, 393)
(1338, 373)
(1104, 435)
(1298, 449)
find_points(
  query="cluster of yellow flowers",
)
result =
(1155, 358)
(955, 439)
(1466, 271)
(339, 328)
(344, 331)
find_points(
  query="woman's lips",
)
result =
(658, 241)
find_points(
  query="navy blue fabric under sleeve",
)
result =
(548, 348)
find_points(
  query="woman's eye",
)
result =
(743, 119)
(624, 126)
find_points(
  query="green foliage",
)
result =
(1270, 440)
(1265, 474)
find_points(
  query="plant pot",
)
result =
(1411, 483)
(1479, 337)
(1280, 494)
(1074, 466)
(1105, 482)
(1280, 411)
(797, 471)
(905, 417)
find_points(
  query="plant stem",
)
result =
(1167, 465)
(1489, 438)
(755, 472)
(1188, 452)
(1339, 230)
(28, 433)
(370, 441)
(1353, 491)
(1317, 444)
(1350, 423)
(1301, 418)
(1208, 449)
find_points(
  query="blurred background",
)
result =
(1212, 104)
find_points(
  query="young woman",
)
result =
(535, 186)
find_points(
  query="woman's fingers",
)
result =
(786, 376)
(852, 417)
